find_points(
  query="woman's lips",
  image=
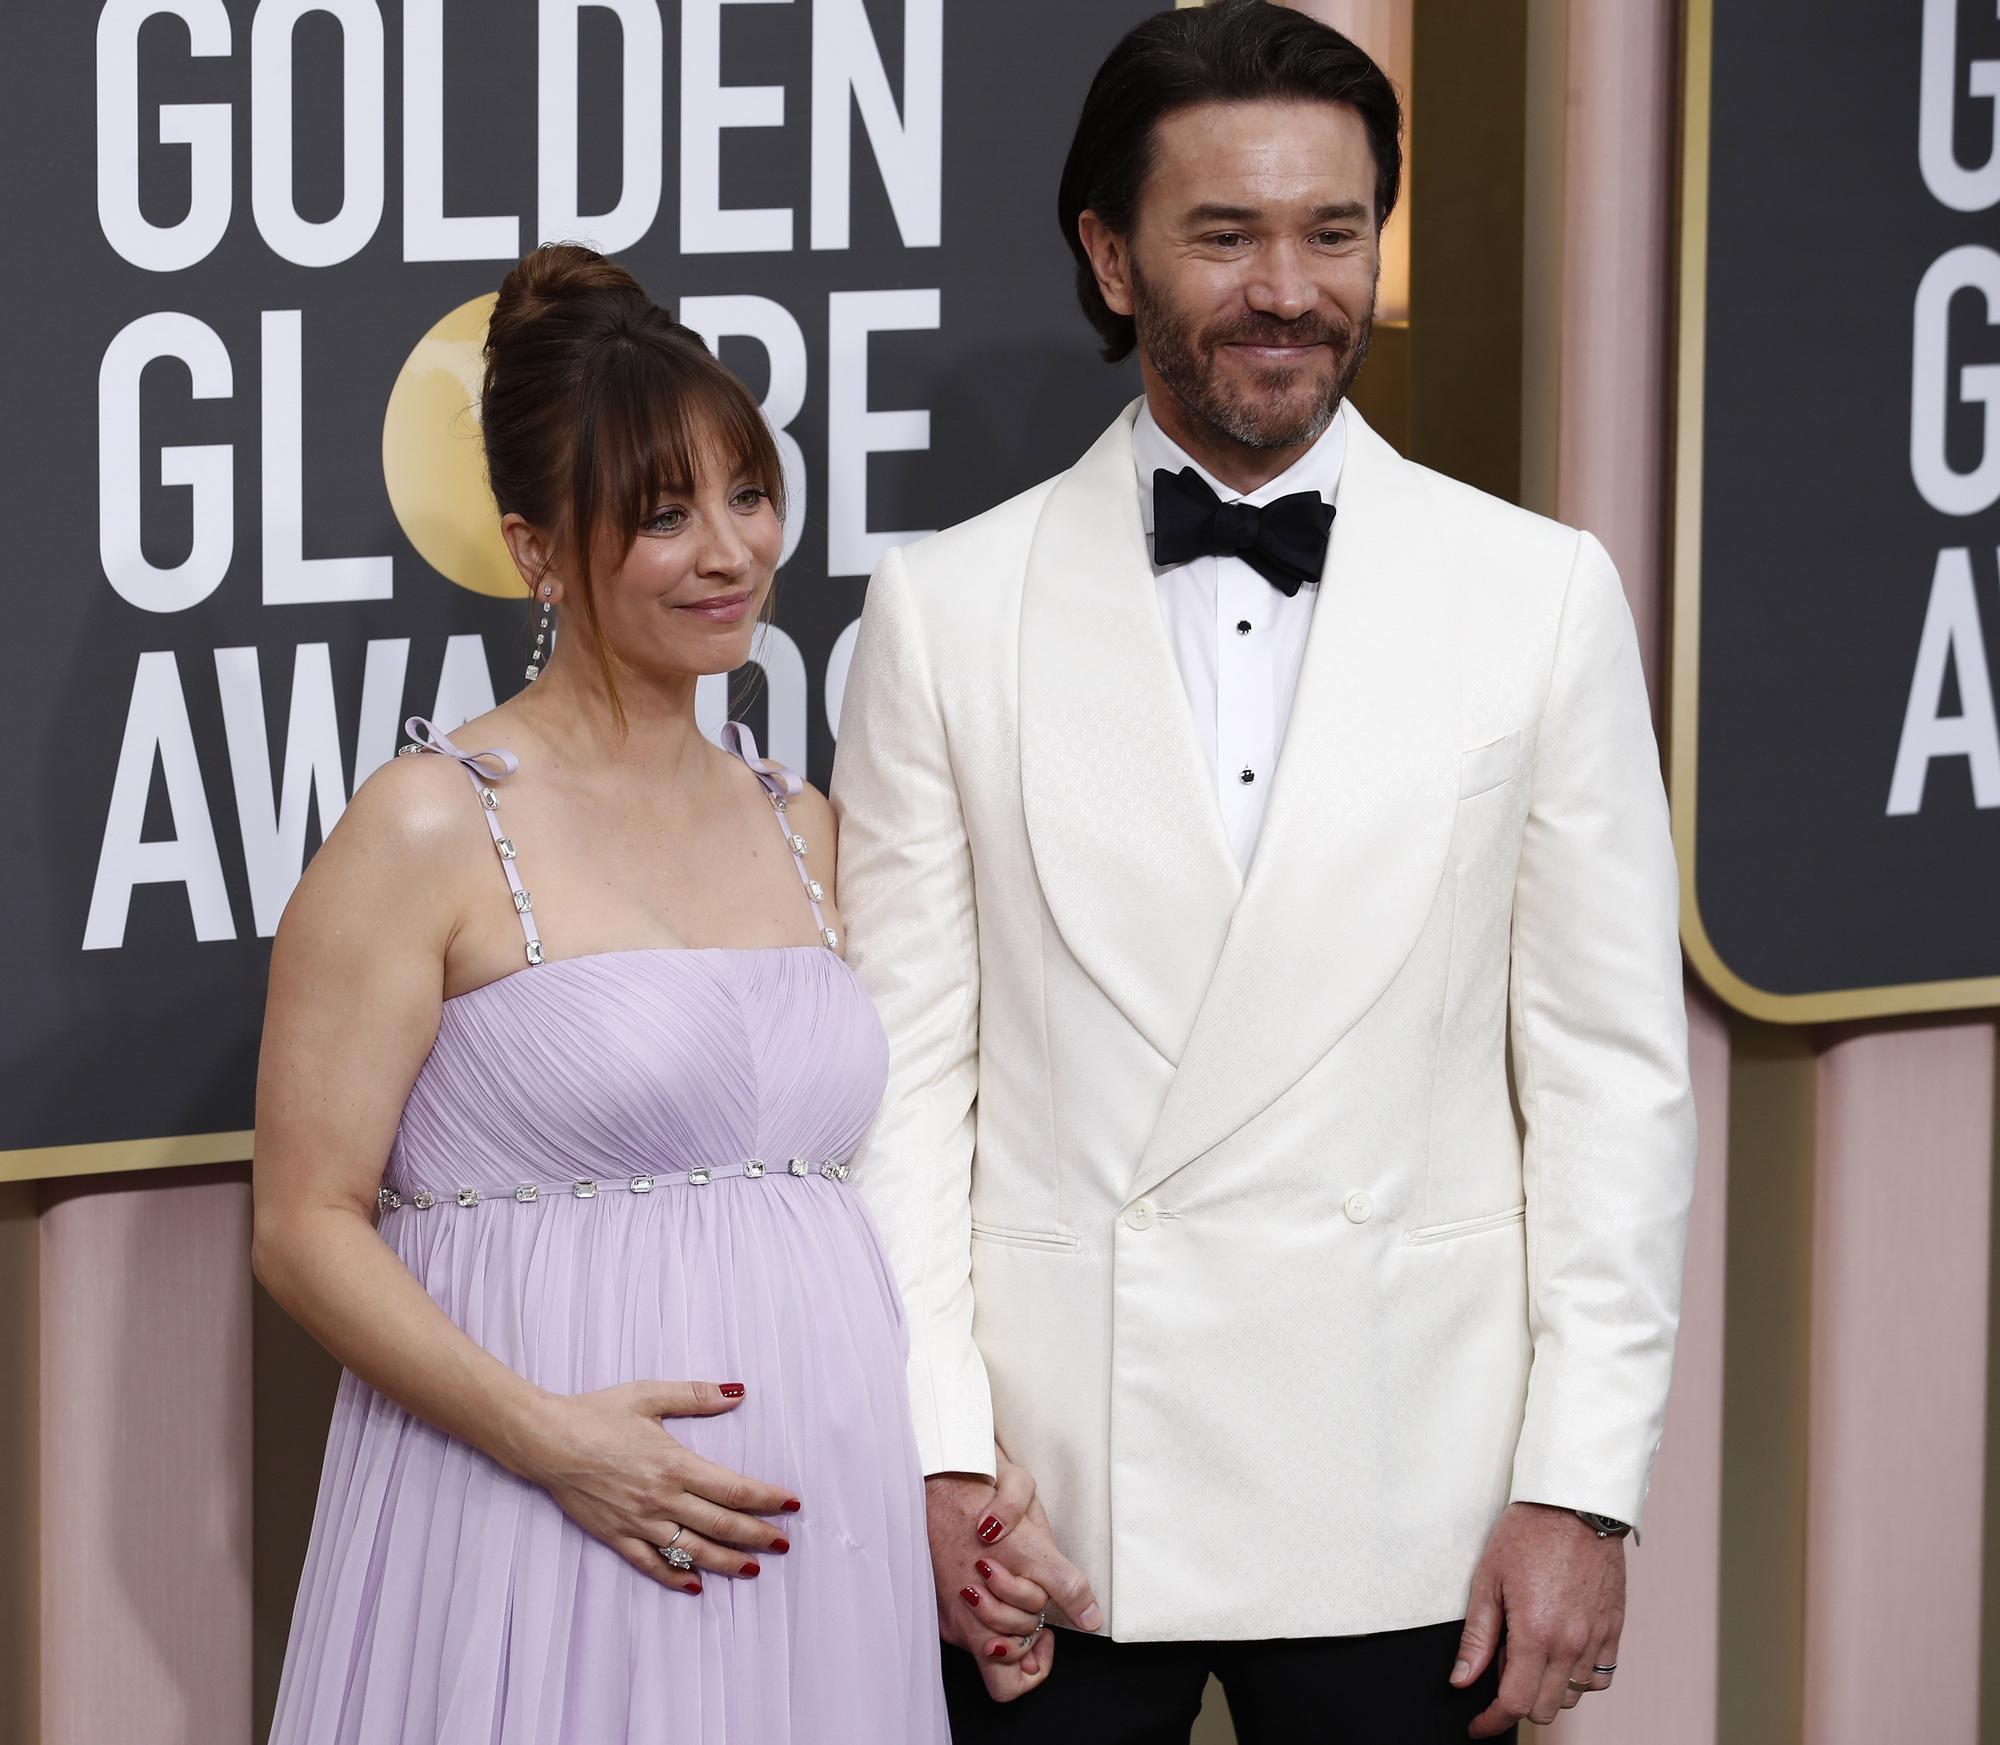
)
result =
(722, 609)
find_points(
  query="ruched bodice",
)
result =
(632, 1166)
(643, 1063)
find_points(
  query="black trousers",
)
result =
(1389, 1689)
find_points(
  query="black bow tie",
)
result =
(1284, 542)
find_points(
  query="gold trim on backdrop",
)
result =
(1833, 1004)
(181, 1152)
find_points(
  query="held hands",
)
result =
(609, 1463)
(1559, 1593)
(999, 1573)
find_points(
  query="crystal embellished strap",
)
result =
(485, 768)
(782, 785)
(425, 1198)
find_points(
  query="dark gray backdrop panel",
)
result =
(1817, 550)
(159, 1037)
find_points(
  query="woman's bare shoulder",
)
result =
(399, 852)
(812, 817)
(414, 806)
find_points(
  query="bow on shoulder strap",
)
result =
(491, 766)
(779, 782)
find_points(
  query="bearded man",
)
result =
(1255, 846)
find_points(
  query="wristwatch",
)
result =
(1603, 1525)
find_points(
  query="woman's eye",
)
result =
(664, 520)
(750, 496)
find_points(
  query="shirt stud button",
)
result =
(1247, 777)
(1242, 627)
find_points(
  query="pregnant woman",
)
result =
(574, 974)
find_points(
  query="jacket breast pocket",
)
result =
(1055, 1241)
(1488, 766)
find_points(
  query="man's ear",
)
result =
(1110, 259)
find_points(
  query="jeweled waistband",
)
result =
(422, 1199)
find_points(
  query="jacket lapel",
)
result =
(1121, 814)
(1360, 819)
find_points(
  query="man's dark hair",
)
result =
(1234, 51)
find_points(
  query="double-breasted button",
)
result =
(1140, 1215)
(1358, 1207)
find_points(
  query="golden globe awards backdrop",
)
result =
(1836, 757)
(251, 251)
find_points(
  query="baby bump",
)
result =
(779, 1286)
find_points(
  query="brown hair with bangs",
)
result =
(596, 403)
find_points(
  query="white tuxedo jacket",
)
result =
(1284, 1225)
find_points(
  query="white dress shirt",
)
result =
(1237, 640)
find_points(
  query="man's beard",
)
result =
(1265, 415)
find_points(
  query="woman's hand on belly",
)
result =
(616, 1472)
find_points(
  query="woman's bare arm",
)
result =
(357, 978)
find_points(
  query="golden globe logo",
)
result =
(434, 460)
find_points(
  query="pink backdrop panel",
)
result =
(145, 1458)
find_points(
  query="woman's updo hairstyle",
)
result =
(596, 404)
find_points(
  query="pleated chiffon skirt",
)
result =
(447, 1601)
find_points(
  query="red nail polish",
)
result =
(970, 1595)
(985, 1569)
(748, 1569)
(990, 1529)
(781, 1544)
(791, 1505)
(732, 1390)
(694, 1587)
(997, 1652)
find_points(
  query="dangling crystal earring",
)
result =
(539, 658)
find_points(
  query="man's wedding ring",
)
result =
(1605, 1671)
(675, 1556)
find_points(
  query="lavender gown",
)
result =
(682, 1117)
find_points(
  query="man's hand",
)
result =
(1559, 1593)
(990, 1599)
